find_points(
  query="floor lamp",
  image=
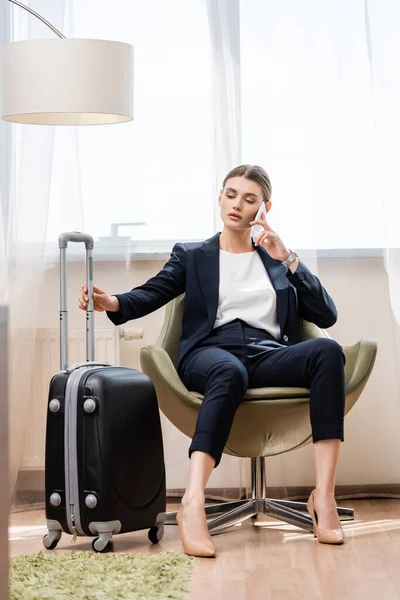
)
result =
(67, 81)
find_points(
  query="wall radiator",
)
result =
(47, 363)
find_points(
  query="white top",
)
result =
(246, 292)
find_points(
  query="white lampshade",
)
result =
(67, 82)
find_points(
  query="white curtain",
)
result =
(308, 90)
(224, 24)
(26, 183)
(382, 22)
(319, 90)
(5, 161)
(156, 170)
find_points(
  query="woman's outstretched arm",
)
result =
(169, 283)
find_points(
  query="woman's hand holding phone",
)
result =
(262, 233)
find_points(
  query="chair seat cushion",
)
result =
(271, 393)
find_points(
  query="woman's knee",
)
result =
(232, 373)
(328, 349)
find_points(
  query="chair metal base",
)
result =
(231, 513)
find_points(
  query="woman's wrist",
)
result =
(115, 304)
(294, 265)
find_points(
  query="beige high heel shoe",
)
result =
(193, 547)
(324, 536)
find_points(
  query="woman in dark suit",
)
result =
(241, 329)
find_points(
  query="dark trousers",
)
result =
(236, 357)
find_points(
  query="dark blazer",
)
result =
(194, 269)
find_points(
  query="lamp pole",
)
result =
(35, 14)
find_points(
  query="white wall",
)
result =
(359, 288)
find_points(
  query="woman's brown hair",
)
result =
(255, 173)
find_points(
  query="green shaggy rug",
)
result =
(90, 576)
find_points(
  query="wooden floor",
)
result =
(271, 561)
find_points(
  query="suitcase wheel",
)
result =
(99, 545)
(49, 542)
(156, 533)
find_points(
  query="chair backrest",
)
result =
(172, 328)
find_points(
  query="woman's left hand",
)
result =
(271, 240)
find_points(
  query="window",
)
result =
(156, 169)
(308, 118)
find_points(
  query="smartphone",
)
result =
(256, 230)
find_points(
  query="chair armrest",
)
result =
(360, 359)
(160, 368)
(310, 331)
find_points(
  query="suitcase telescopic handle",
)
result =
(75, 236)
(63, 240)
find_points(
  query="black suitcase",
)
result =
(104, 466)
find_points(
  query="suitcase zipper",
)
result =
(74, 530)
(70, 453)
(70, 449)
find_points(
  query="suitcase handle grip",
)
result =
(75, 236)
(63, 240)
